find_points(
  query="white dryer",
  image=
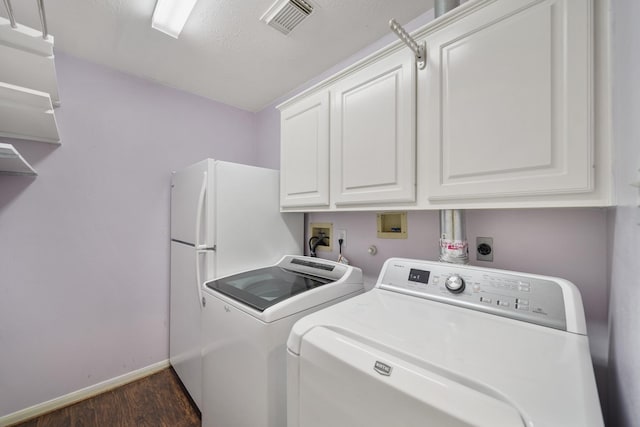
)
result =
(246, 321)
(445, 345)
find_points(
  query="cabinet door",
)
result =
(304, 152)
(506, 102)
(373, 133)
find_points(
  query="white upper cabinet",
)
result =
(373, 136)
(352, 141)
(512, 110)
(507, 102)
(304, 152)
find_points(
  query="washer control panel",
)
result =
(521, 296)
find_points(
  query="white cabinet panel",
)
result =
(373, 133)
(304, 161)
(507, 101)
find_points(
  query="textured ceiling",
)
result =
(225, 52)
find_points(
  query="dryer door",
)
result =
(345, 381)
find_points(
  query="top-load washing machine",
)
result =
(445, 345)
(247, 318)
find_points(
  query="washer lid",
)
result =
(545, 373)
(262, 288)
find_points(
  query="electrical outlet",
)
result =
(341, 234)
(484, 249)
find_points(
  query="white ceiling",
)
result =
(225, 52)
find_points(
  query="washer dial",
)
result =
(454, 284)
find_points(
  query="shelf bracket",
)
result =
(12, 18)
(43, 17)
(420, 50)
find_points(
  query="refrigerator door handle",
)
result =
(200, 249)
(201, 197)
(198, 283)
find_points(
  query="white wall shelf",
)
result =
(12, 163)
(28, 84)
(27, 59)
(27, 114)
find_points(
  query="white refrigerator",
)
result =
(225, 218)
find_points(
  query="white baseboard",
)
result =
(82, 394)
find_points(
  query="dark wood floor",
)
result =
(157, 400)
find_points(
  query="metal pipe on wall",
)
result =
(443, 6)
(454, 247)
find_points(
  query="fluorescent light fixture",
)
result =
(170, 16)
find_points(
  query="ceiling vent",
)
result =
(285, 15)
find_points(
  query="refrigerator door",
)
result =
(187, 187)
(250, 231)
(191, 264)
(184, 331)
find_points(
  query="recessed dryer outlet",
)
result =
(322, 230)
(484, 249)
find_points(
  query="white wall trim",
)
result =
(82, 394)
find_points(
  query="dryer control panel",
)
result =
(542, 300)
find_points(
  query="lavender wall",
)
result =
(624, 353)
(84, 247)
(268, 137)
